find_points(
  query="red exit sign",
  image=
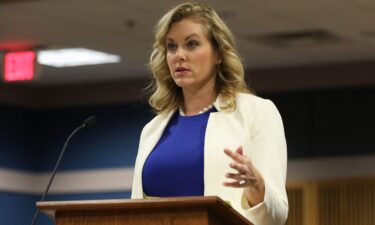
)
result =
(19, 66)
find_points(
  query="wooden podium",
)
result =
(163, 211)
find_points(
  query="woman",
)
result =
(211, 136)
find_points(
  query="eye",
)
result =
(193, 44)
(171, 46)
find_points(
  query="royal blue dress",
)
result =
(175, 167)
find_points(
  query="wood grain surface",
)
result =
(163, 211)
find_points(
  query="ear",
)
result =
(218, 58)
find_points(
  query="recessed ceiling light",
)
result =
(70, 57)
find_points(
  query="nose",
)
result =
(180, 54)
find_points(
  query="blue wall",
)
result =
(31, 140)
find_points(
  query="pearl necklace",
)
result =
(205, 109)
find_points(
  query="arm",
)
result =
(262, 172)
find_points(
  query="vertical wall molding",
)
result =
(349, 201)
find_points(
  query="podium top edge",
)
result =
(129, 203)
(213, 203)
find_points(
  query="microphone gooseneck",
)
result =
(89, 122)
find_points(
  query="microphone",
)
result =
(89, 122)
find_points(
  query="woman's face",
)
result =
(190, 56)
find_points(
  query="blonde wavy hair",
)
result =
(166, 95)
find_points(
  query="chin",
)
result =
(182, 83)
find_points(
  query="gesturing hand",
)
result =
(247, 176)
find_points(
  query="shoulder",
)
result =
(255, 108)
(248, 97)
(261, 112)
(248, 101)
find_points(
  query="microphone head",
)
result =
(91, 121)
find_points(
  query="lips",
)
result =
(181, 69)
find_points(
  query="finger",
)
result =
(234, 155)
(235, 184)
(245, 160)
(235, 176)
(239, 150)
(239, 167)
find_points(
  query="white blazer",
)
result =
(257, 126)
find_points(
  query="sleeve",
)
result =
(268, 153)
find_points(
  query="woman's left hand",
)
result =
(247, 176)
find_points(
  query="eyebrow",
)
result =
(188, 37)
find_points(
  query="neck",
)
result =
(195, 101)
